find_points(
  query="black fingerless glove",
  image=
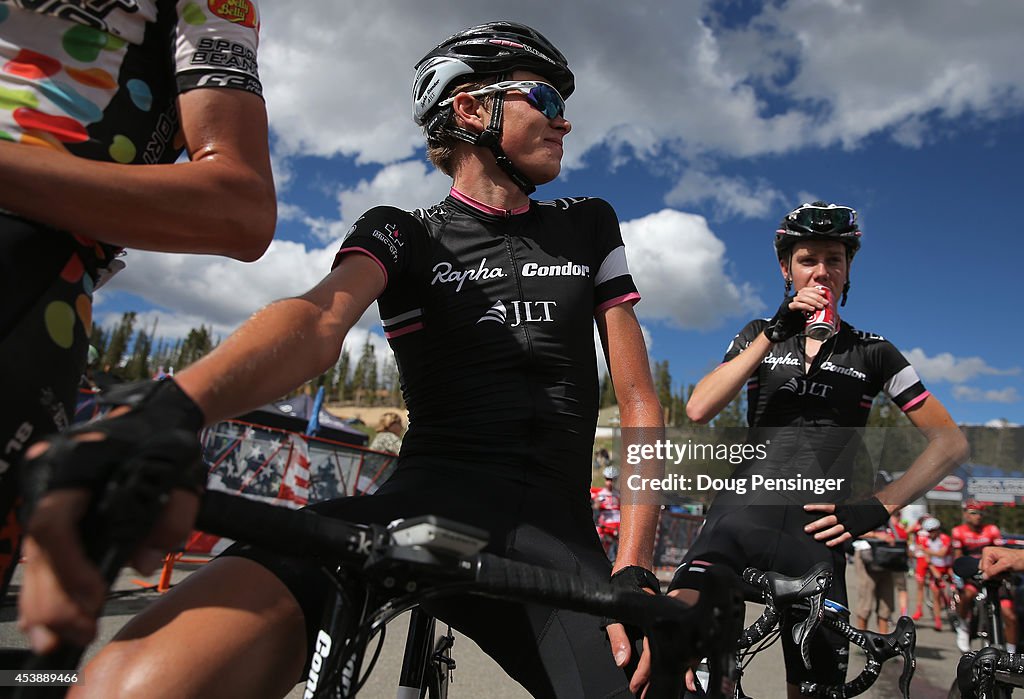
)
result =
(862, 516)
(785, 323)
(160, 431)
(633, 579)
(636, 579)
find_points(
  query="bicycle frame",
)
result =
(377, 577)
(807, 592)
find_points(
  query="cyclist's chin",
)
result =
(544, 171)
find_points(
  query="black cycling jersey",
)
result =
(811, 421)
(851, 368)
(491, 320)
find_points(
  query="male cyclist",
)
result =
(938, 547)
(489, 300)
(970, 538)
(807, 398)
(99, 100)
(607, 511)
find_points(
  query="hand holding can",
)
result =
(821, 324)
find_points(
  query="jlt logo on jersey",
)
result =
(444, 274)
(803, 387)
(522, 312)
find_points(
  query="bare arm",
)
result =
(221, 201)
(288, 342)
(642, 421)
(715, 390)
(947, 448)
(641, 417)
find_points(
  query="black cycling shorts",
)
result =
(551, 652)
(771, 538)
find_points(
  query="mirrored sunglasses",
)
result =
(818, 217)
(541, 96)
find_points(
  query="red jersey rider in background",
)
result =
(918, 545)
(969, 539)
(606, 504)
(938, 548)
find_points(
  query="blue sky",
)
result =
(702, 123)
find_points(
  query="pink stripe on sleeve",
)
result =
(371, 256)
(404, 331)
(914, 402)
(631, 297)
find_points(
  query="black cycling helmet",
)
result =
(819, 221)
(493, 48)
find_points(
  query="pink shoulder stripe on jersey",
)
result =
(914, 402)
(632, 297)
(371, 256)
(404, 331)
(487, 208)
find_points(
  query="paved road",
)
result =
(477, 676)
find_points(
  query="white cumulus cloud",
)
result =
(681, 269)
(945, 367)
(977, 395)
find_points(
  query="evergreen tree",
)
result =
(117, 347)
(196, 345)
(140, 364)
(342, 388)
(734, 414)
(99, 339)
(393, 382)
(663, 388)
(607, 391)
(364, 379)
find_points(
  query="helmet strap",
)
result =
(490, 138)
(846, 290)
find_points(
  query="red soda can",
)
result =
(821, 324)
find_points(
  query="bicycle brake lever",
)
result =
(906, 642)
(803, 632)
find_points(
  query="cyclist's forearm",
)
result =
(213, 204)
(285, 344)
(637, 529)
(245, 372)
(714, 391)
(945, 451)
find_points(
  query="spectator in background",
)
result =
(899, 578)
(918, 545)
(876, 584)
(939, 549)
(389, 433)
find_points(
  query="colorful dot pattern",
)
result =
(59, 77)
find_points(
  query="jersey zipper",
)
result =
(519, 291)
